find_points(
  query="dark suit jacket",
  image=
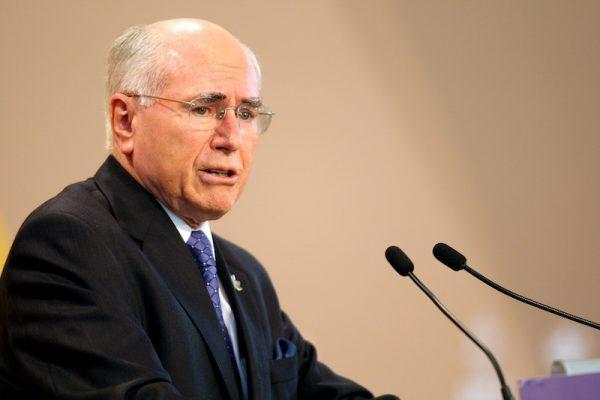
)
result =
(101, 299)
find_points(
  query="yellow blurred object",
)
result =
(4, 245)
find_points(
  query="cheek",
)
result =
(163, 133)
(248, 157)
(248, 151)
(166, 156)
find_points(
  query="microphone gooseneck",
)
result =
(404, 266)
(456, 261)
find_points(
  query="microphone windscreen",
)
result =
(449, 257)
(399, 261)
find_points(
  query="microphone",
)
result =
(456, 261)
(402, 264)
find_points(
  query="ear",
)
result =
(122, 110)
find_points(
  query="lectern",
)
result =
(563, 387)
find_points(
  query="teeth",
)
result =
(217, 172)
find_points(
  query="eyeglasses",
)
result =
(204, 115)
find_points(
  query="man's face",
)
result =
(178, 163)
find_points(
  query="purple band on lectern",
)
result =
(565, 387)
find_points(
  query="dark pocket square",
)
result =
(284, 349)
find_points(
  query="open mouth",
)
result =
(220, 172)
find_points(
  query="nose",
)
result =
(227, 136)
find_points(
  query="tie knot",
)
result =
(199, 241)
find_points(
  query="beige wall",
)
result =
(404, 123)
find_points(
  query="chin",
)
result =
(212, 210)
(205, 204)
(212, 214)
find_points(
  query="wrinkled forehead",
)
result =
(209, 62)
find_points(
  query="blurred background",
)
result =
(475, 123)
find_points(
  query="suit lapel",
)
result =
(171, 257)
(245, 308)
(143, 218)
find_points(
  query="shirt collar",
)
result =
(186, 231)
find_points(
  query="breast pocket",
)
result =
(284, 378)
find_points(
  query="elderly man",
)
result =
(116, 288)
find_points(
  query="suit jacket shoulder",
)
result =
(101, 299)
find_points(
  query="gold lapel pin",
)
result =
(237, 285)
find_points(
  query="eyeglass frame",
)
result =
(223, 110)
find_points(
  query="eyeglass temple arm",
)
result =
(187, 103)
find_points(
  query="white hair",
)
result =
(135, 65)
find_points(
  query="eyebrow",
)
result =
(215, 97)
(255, 102)
(211, 97)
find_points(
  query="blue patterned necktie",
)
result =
(202, 252)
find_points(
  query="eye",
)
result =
(246, 114)
(202, 111)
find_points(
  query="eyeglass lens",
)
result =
(251, 120)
